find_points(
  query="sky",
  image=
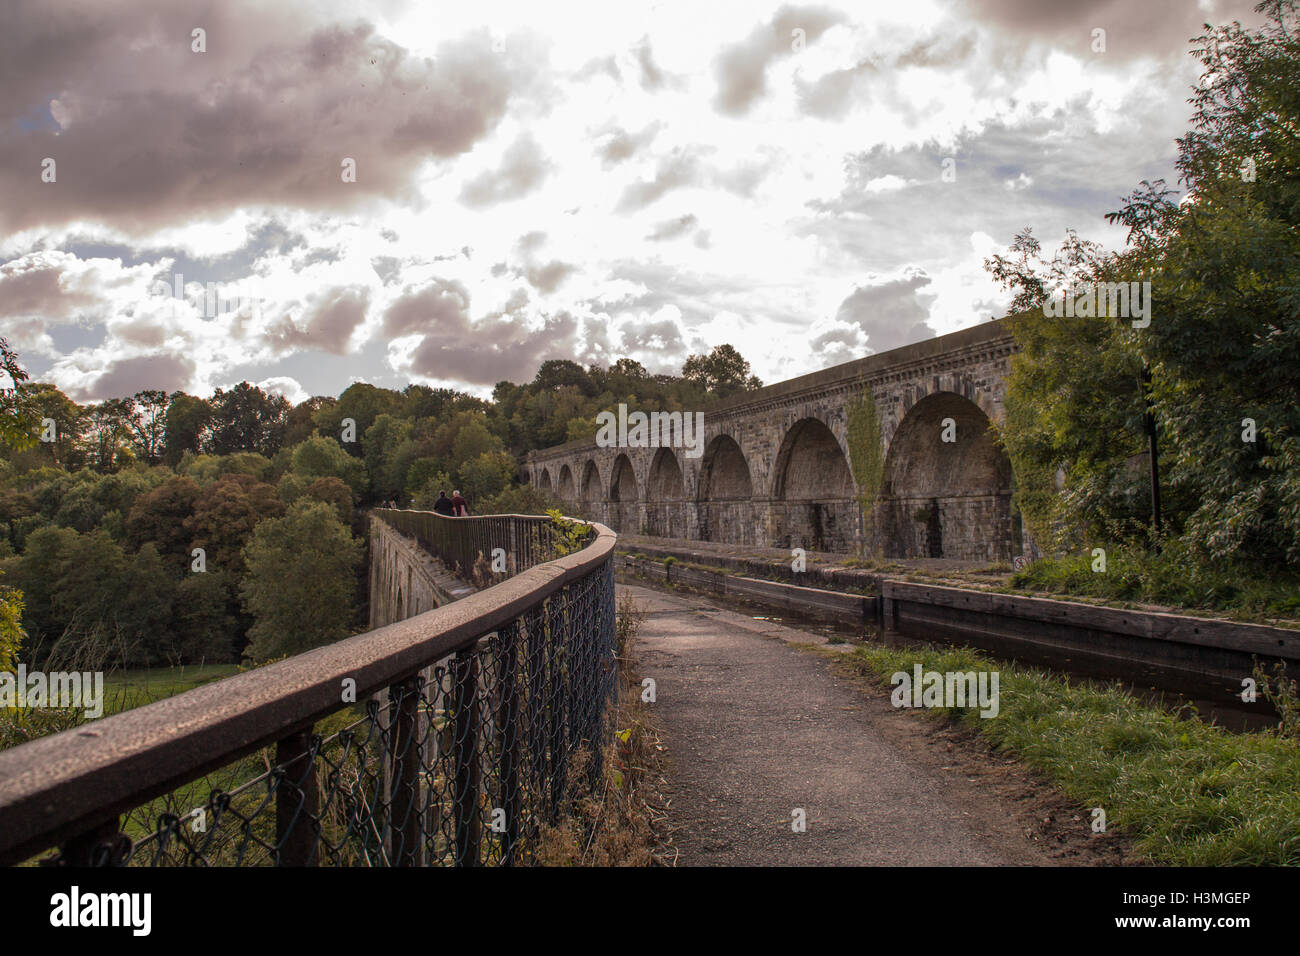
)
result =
(309, 194)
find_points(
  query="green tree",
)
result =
(225, 515)
(301, 582)
(322, 457)
(185, 426)
(246, 419)
(722, 372)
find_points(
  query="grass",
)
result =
(124, 690)
(1188, 792)
(1174, 577)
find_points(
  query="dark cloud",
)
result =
(327, 324)
(439, 305)
(493, 349)
(1151, 27)
(522, 169)
(35, 286)
(154, 133)
(129, 375)
(741, 70)
(890, 314)
(673, 228)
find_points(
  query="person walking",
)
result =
(443, 505)
(460, 507)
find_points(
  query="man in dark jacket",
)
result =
(443, 505)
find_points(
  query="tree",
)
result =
(11, 626)
(159, 516)
(301, 582)
(1224, 349)
(246, 419)
(322, 457)
(300, 424)
(226, 513)
(146, 419)
(722, 372)
(362, 403)
(18, 424)
(485, 475)
(554, 373)
(104, 434)
(185, 426)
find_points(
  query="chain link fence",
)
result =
(460, 760)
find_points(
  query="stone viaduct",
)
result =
(776, 469)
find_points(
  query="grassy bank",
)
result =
(1173, 577)
(1188, 792)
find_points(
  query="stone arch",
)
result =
(544, 481)
(944, 499)
(665, 494)
(726, 494)
(624, 496)
(591, 493)
(564, 488)
(813, 500)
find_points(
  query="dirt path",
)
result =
(756, 729)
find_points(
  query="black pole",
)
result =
(1152, 452)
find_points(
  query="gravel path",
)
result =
(756, 729)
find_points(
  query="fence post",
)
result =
(405, 827)
(509, 723)
(296, 821)
(557, 685)
(469, 831)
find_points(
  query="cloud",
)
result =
(522, 169)
(129, 375)
(492, 349)
(441, 304)
(327, 324)
(681, 168)
(1159, 27)
(741, 69)
(651, 76)
(51, 285)
(266, 116)
(547, 278)
(673, 228)
(623, 145)
(882, 314)
(286, 386)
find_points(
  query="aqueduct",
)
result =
(777, 463)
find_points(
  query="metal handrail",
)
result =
(73, 783)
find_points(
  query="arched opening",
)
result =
(565, 486)
(726, 495)
(623, 496)
(591, 493)
(665, 492)
(813, 503)
(947, 485)
(544, 481)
